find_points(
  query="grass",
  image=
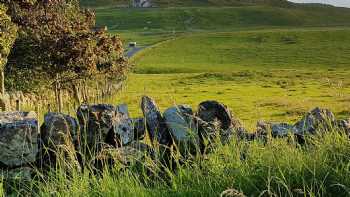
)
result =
(273, 75)
(279, 168)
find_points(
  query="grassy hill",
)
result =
(219, 18)
(167, 3)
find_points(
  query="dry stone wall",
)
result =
(103, 135)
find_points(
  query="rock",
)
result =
(232, 193)
(59, 129)
(317, 119)
(243, 134)
(344, 125)
(96, 124)
(214, 119)
(17, 182)
(18, 138)
(281, 129)
(213, 111)
(180, 122)
(139, 128)
(123, 128)
(126, 156)
(59, 135)
(155, 123)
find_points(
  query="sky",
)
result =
(342, 3)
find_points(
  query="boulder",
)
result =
(18, 138)
(97, 122)
(155, 123)
(214, 120)
(180, 122)
(215, 113)
(316, 119)
(59, 134)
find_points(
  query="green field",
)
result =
(273, 75)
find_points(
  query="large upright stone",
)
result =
(214, 121)
(155, 122)
(59, 134)
(18, 138)
(180, 121)
(96, 124)
(316, 119)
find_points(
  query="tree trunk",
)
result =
(2, 81)
(76, 94)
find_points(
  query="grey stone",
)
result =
(123, 128)
(281, 129)
(214, 120)
(18, 138)
(59, 134)
(155, 123)
(96, 124)
(180, 122)
(316, 119)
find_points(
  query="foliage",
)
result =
(7, 36)
(58, 42)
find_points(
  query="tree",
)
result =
(59, 45)
(7, 38)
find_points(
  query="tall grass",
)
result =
(278, 168)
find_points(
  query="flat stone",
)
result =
(18, 138)
(155, 123)
(123, 128)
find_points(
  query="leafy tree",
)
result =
(7, 37)
(58, 47)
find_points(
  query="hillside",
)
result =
(219, 19)
(167, 3)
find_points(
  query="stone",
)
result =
(18, 138)
(59, 129)
(123, 128)
(281, 129)
(17, 181)
(97, 123)
(213, 111)
(59, 134)
(139, 128)
(155, 123)
(344, 125)
(214, 120)
(180, 122)
(316, 119)
(135, 153)
(232, 193)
